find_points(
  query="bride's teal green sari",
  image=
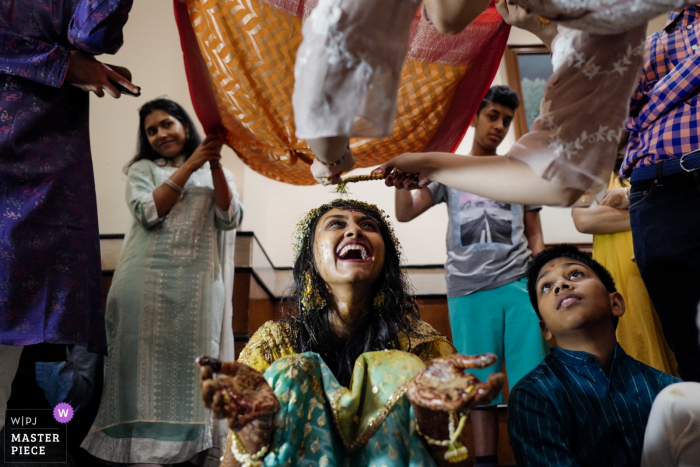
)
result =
(322, 423)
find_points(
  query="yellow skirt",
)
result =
(639, 331)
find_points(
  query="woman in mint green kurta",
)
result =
(168, 299)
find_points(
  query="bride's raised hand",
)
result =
(244, 398)
(443, 385)
(241, 396)
(443, 388)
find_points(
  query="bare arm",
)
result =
(327, 151)
(519, 17)
(600, 220)
(411, 204)
(452, 16)
(481, 176)
(210, 150)
(533, 232)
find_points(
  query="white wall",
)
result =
(152, 53)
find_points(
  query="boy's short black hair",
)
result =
(502, 95)
(564, 251)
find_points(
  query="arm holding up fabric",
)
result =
(166, 195)
(332, 157)
(475, 174)
(452, 16)
(222, 192)
(231, 216)
(519, 17)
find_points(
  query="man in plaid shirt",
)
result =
(665, 193)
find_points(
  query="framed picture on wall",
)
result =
(528, 67)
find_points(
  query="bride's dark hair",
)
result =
(380, 326)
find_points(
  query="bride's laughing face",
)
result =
(348, 248)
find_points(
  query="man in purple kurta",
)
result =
(50, 272)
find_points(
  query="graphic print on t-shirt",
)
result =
(483, 220)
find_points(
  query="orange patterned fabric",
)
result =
(248, 50)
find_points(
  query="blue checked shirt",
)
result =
(664, 119)
(567, 412)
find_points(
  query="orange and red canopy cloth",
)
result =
(239, 57)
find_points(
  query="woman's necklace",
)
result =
(170, 161)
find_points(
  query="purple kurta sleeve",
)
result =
(96, 26)
(30, 58)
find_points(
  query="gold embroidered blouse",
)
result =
(273, 340)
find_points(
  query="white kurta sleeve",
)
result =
(140, 184)
(232, 217)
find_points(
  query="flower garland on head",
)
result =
(391, 303)
(303, 229)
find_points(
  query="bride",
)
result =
(344, 381)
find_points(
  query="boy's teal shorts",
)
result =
(500, 321)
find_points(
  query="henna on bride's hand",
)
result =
(244, 398)
(443, 384)
(443, 387)
(241, 397)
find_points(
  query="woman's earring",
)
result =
(311, 298)
(379, 298)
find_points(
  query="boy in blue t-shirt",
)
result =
(489, 247)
